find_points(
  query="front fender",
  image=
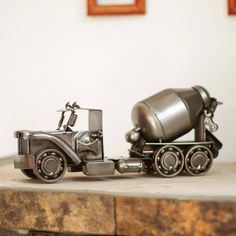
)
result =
(60, 143)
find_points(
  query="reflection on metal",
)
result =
(169, 114)
(59, 142)
(25, 161)
(158, 121)
(99, 167)
(130, 165)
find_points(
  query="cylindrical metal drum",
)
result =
(170, 113)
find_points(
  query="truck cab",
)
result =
(47, 154)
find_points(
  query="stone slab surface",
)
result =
(133, 204)
(7, 232)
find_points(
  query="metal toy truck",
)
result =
(158, 121)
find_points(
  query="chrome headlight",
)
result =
(133, 135)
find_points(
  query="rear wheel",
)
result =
(169, 161)
(198, 160)
(29, 173)
(50, 165)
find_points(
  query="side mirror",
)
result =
(72, 119)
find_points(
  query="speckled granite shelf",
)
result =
(134, 204)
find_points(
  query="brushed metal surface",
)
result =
(99, 167)
(25, 161)
(170, 113)
(60, 143)
(158, 121)
(130, 165)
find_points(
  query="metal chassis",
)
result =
(155, 146)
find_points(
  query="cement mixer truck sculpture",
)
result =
(158, 121)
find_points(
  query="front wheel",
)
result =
(50, 165)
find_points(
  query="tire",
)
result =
(169, 161)
(50, 165)
(198, 160)
(29, 173)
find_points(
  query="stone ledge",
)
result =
(166, 217)
(57, 212)
(115, 215)
(122, 204)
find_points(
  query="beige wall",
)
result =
(52, 52)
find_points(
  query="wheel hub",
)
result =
(169, 160)
(51, 165)
(199, 160)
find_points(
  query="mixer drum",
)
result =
(171, 113)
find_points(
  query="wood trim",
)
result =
(232, 7)
(139, 7)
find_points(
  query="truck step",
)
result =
(99, 168)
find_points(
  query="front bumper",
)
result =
(26, 161)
